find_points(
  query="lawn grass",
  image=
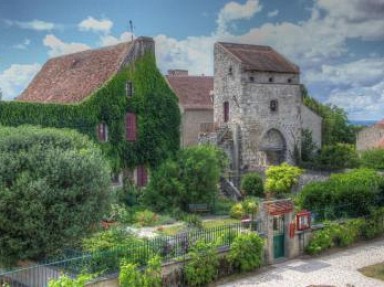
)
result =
(219, 222)
(374, 271)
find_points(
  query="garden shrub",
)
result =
(223, 205)
(66, 281)
(146, 218)
(203, 263)
(252, 185)
(130, 275)
(281, 178)
(237, 211)
(246, 252)
(193, 220)
(320, 241)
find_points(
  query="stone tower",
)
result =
(257, 105)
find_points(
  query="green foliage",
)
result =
(351, 194)
(155, 105)
(373, 158)
(130, 276)
(250, 206)
(191, 178)
(281, 178)
(223, 205)
(146, 218)
(203, 263)
(320, 241)
(66, 281)
(252, 185)
(308, 147)
(54, 187)
(193, 220)
(335, 128)
(374, 225)
(246, 252)
(336, 157)
(121, 214)
(237, 211)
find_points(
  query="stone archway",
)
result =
(274, 147)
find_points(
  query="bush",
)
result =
(54, 188)
(281, 178)
(373, 158)
(252, 185)
(130, 276)
(202, 267)
(65, 281)
(146, 218)
(193, 220)
(246, 252)
(223, 205)
(237, 211)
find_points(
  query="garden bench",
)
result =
(198, 207)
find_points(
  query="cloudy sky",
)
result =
(338, 44)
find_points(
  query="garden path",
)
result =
(337, 269)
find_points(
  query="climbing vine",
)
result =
(158, 116)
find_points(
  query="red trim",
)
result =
(130, 127)
(141, 176)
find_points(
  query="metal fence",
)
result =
(106, 263)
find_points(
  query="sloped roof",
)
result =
(72, 78)
(380, 124)
(194, 92)
(260, 58)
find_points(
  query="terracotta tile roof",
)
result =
(72, 78)
(194, 92)
(381, 143)
(380, 124)
(279, 207)
(260, 58)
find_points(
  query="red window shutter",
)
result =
(226, 112)
(130, 127)
(142, 176)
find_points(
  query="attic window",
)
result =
(251, 79)
(270, 79)
(129, 89)
(230, 72)
(289, 80)
(273, 105)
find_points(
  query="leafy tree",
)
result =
(54, 187)
(308, 147)
(191, 178)
(281, 178)
(252, 184)
(336, 128)
(336, 157)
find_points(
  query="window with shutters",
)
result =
(102, 132)
(226, 111)
(141, 176)
(130, 127)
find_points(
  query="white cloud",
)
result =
(58, 47)
(108, 40)
(234, 11)
(92, 24)
(24, 45)
(37, 25)
(273, 13)
(14, 79)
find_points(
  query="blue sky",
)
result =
(339, 45)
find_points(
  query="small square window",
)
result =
(289, 80)
(251, 79)
(102, 132)
(270, 79)
(273, 105)
(230, 71)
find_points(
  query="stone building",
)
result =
(195, 103)
(371, 137)
(258, 106)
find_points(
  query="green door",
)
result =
(278, 245)
(278, 236)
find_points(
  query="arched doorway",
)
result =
(274, 147)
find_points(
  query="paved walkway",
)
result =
(338, 269)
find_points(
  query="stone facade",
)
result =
(191, 124)
(262, 109)
(371, 137)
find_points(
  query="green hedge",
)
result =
(154, 103)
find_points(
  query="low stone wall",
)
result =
(310, 176)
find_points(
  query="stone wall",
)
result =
(191, 121)
(313, 122)
(310, 176)
(369, 137)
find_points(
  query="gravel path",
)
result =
(338, 269)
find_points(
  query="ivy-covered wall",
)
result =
(156, 107)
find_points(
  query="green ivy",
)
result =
(154, 103)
